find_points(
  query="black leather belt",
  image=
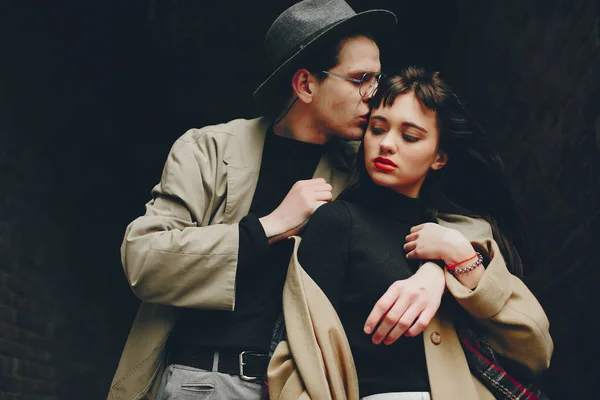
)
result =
(248, 365)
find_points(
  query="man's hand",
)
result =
(408, 305)
(291, 216)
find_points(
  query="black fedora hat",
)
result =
(305, 25)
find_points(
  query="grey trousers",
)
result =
(180, 382)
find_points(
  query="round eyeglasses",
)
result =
(367, 84)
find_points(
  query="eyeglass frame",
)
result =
(378, 76)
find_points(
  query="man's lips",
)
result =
(384, 164)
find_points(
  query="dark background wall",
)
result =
(531, 71)
(92, 95)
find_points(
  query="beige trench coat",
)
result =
(183, 251)
(316, 363)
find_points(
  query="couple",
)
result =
(209, 260)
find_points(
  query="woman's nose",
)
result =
(387, 144)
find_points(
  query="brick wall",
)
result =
(31, 241)
(530, 70)
(64, 305)
(32, 245)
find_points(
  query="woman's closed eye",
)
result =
(377, 131)
(410, 138)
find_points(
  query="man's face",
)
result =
(338, 107)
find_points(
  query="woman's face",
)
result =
(401, 145)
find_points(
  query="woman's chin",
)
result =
(381, 180)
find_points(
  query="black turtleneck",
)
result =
(352, 248)
(261, 268)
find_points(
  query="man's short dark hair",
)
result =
(320, 58)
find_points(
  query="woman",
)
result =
(422, 155)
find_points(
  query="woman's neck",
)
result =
(384, 200)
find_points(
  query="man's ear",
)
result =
(302, 84)
(441, 159)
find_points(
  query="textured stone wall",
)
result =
(530, 70)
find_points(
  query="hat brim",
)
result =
(375, 21)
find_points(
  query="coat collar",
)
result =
(247, 141)
(244, 148)
(243, 156)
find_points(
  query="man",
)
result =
(207, 259)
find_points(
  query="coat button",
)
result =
(436, 338)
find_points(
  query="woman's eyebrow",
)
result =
(379, 117)
(413, 125)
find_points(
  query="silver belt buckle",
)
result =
(243, 362)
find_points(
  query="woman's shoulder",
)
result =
(334, 209)
(335, 212)
(329, 225)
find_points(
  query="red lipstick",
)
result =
(384, 164)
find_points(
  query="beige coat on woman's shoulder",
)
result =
(315, 361)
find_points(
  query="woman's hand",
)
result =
(408, 305)
(431, 241)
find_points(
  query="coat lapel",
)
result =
(243, 156)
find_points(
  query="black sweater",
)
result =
(261, 268)
(353, 250)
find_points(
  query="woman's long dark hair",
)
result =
(473, 182)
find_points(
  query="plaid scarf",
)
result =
(485, 364)
(279, 334)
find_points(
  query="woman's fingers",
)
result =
(412, 237)
(404, 323)
(406, 308)
(424, 319)
(414, 255)
(391, 319)
(383, 305)
(416, 228)
(409, 246)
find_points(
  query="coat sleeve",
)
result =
(170, 255)
(516, 324)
